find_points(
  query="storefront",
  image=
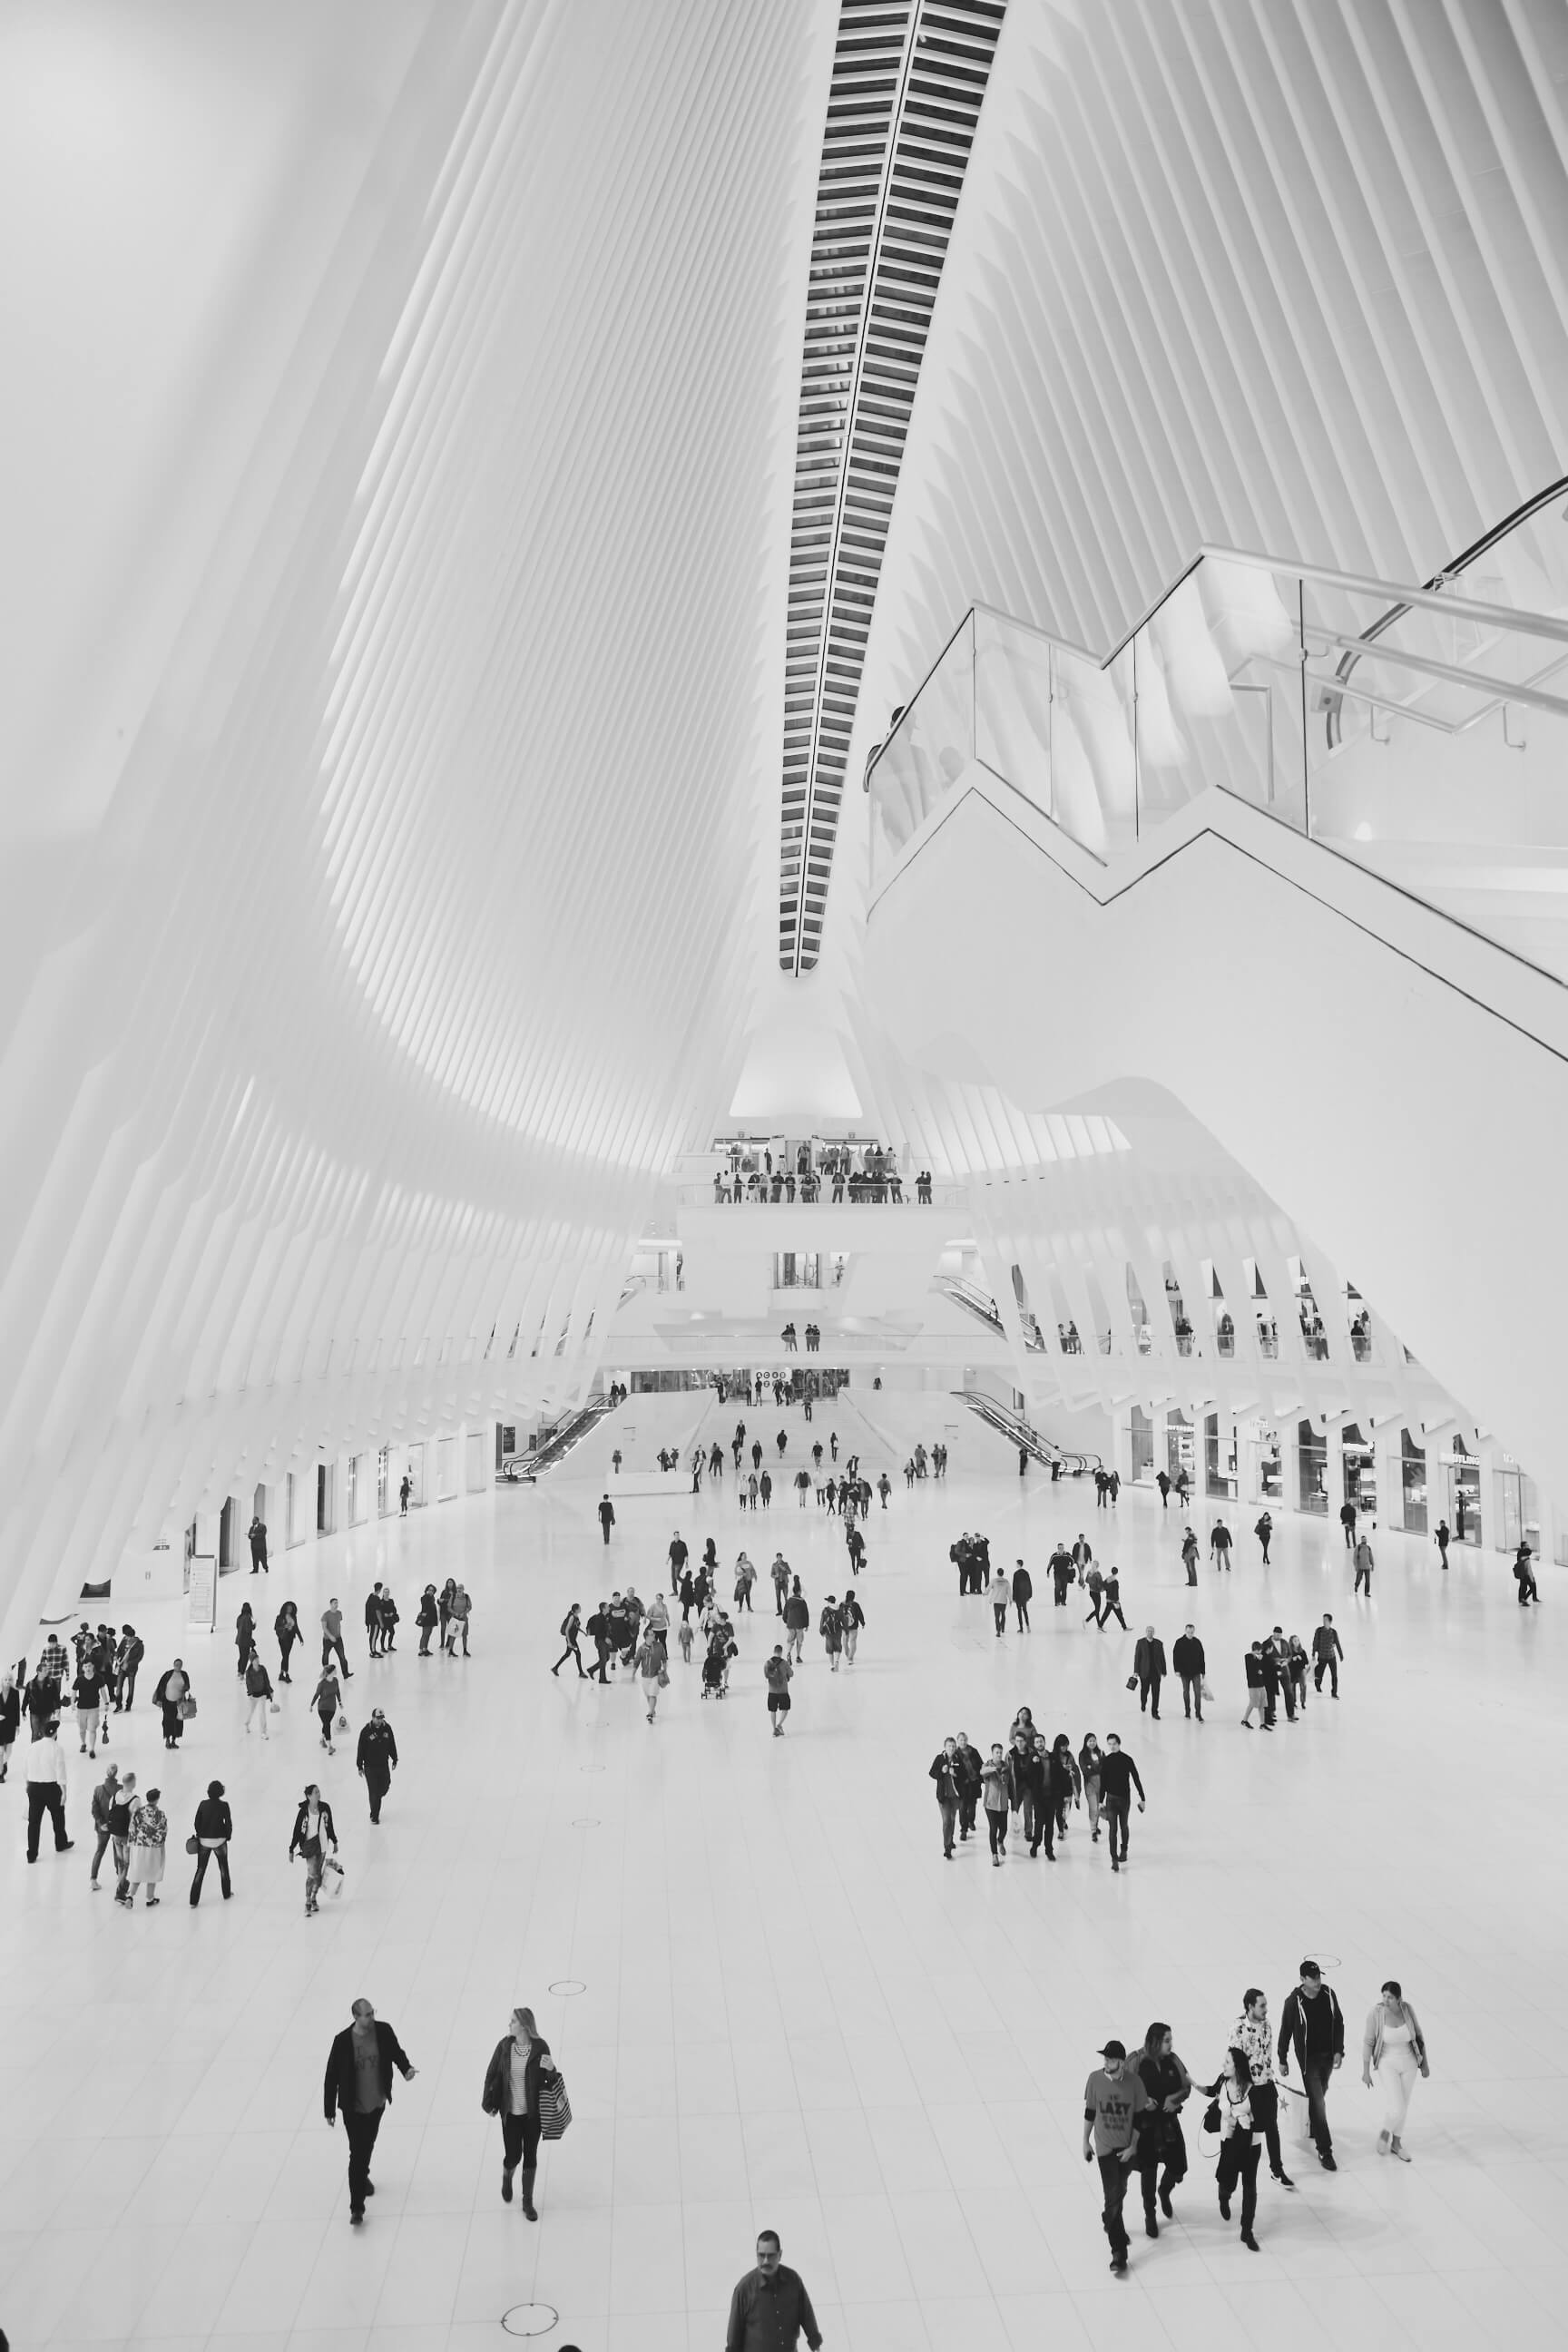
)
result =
(1265, 1465)
(1359, 1469)
(1141, 1445)
(1464, 1485)
(1517, 1508)
(1312, 1466)
(1219, 1458)
(1413, 1484)
(1181, 1451)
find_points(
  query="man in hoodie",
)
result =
(1187, 1657)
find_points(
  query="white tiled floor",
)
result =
(794, 2011)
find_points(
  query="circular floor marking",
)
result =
(587, 1822)
(530, 2319)
(568, 1987)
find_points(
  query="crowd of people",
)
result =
(1132, 2107)
(840, 1172)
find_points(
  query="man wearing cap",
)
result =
(1311, 2022)
(1114, 2103)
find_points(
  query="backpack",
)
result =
(566, 1627)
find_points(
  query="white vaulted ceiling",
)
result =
(392, 747)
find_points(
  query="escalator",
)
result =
(1388, 1061)
(1028, 1440)
(554, 1443)
(972, 1299)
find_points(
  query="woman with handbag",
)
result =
(326, 1698)
(1393, 2043)
(520, 2070)
(172, 1694)
(212, 1830)
(314, 1832)
(652, 1665)
(1238, 2137)
(1161, 2149)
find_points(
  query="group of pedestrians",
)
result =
(1030, 1785)
(1276, 1666)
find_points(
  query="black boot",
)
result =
(528, 2213)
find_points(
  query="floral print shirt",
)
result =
(149, 1825)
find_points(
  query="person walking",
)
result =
(1442, 1539)
(770, 2309)
(1059, 1786)
(1252, 2034)
(1189, 1556)
(852, 1618)
(1115, 2105)
(678, 1555)
(1000, 1594)
(1187, 1658)
(745, 1577)
(1117, 1778)
(797, 1617)
(1149, 1665)
(966, 1777)
(1347, 1521)
(87, 1688)
(213, 1828)
(332, 1638)
(1327, 1652)
(104, 1798)
(1311, 2025)
(358, 2082)
(1219, 1545)
(149, 1834)
(1524, 1574)
(314, 1832)
(1393, 2045)
(10, 1720)
(571, 1631)
(405, 1488)
(1264, 1531)
(1161, 2144)
(607, 1515)
(375, 1759)
(780, 1574)
(244, 1636)
(327, 1698)
(944, 1773)
(1163, 1480)
(46, 1790)
(127, 1658)
(172, 1694)
(520, 2064)
(372, 1621)
(257, 1537)
(776, 1674)
(286, 1626)
(653, 1667)
(1238, 2151)
(258, 1696)
(830, 1625)
(1111, 1601)
(1363, 1566)
(1023, 1593)
(996, 1792)
(1090, 1757)
(1026, 1788)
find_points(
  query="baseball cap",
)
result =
(1113, 2050)
(1310, 1968)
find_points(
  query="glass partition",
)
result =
(1403, 728)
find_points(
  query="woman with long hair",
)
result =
(1238, 2150)
(1089, 1762)
(1161, 2149)
(520, 2061)
(1393, 2043)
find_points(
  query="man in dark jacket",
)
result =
(944, 1773)
(1327, 1652)
(258, 1534)
(127, 1658)
(1026, 1788)
(1311, 2025)
(1023, 1593)
(1257, 1695)
(598, 1627)
(1061, 1569)
(966, 1772)
(1187, 1657)
(1149, 1665)
(606, 1516)
(376, 1758)
(677, 1557)
(1269, 1659)
(359, 2081)
(1117, 1778)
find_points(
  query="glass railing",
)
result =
(1403, 727)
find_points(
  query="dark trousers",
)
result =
(999, 1611)
(100, 1849)
(605, 1524)
(335, 1642)
(1239, 2161)
(1362, 1576)
(1023, 1609)
(1149, 1689)
(602, 1649)
(361, 2131)
(1192, 1695)
(997, 1825)
(1113, 2190)
(1330, 1666)
(206, 1854)
(376, 1786)
(1266, 2115)
(1161, 2165)
(285, 1650)
(1112, 1609)
(1119, 1815)
(126, 1693)
(570, 1651)
(520, 2141)
(948, 1823)
(1315, 2073)
(46, 1797)
(966, 1811)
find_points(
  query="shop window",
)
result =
(1413, 1484)
(1360, 1469)
(1464, 1492)
(1518, 1508)
(1313, 1464)
(1180, 1453)
(1219, 1458)
(1142, 1437)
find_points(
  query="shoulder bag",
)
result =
(555, 2107)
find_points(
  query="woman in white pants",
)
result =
(1395, 2046)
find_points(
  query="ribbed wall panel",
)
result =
(416, 935)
